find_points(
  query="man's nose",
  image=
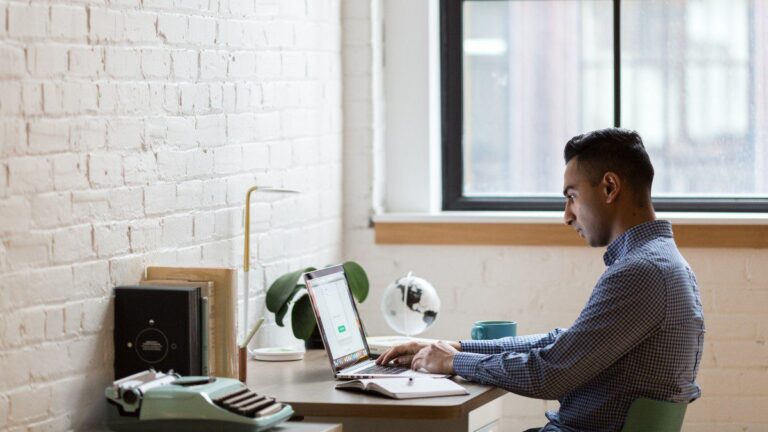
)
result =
(568, 215)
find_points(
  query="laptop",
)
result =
(342, 331)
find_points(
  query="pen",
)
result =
(253, 332)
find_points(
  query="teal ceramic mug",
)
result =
(493, 329)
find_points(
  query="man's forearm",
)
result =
(519, 344)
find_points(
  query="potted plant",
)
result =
(290, 289)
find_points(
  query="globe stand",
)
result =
(406, 292)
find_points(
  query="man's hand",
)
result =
(435, 358)
(401, 355)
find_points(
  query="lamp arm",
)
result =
(247, 250)
(247, 259)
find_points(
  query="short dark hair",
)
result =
(612, 149)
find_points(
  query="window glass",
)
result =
(535, 73)
(688, 81)
(694, 83)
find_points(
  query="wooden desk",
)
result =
(308, 385)
(293, 426)
(290, 426)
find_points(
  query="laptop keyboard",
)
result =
(381, 369)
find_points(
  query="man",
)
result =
(640, 334)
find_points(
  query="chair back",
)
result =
(648, 415)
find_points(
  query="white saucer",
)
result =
(277, 354)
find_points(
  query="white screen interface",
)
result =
(337, 318)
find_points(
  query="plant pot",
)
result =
(315, 341)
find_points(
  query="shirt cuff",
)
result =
(465, 364)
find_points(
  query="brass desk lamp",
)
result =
(247, 251)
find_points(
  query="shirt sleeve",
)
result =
(625, 308)
(514, 343)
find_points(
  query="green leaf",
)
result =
(280, 315)
(302, 318)
(358, 280)
(283, 289)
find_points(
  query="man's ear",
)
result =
(611, 186)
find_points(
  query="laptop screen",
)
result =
(337, 316)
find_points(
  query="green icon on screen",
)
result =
(342, 329)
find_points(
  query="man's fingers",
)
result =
(389, 354)
(403, 360)
(416, 363)
(409, 348)
(418, 359)
(444, 347)
(383, 356)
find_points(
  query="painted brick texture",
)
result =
(129, 132)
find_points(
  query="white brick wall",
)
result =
(129, 132)
(540, 287)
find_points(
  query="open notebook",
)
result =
(405, 388)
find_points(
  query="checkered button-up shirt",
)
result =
(640, 335)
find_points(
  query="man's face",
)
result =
(586, 209)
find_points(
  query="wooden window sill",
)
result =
(547, 229)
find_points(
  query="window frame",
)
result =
(451, 106)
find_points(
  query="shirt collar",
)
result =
(636, 236)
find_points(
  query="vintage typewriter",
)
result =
(153, 400)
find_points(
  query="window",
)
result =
(521, 77)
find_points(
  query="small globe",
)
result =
(410, 305)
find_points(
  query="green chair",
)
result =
(648, 415)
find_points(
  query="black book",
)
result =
(158, 328)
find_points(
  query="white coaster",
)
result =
(277, 354)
